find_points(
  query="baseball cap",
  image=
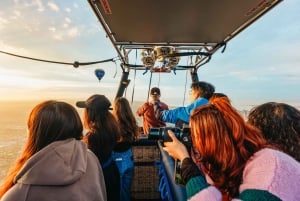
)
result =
(155, 91)
(95, 102)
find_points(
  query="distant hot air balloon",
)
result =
(99, 73)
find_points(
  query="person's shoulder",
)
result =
(269, 163)
(272, 158)
(201, 100)
(271, 170)
(145, 104)
(273, 155)
(163, 103)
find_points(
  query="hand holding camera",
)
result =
(175, 148)
(178, 151)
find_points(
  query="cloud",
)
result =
(17, 13)
(40, 5)
(67, 20)
(9, 48)
(58, 37)
(53, 6)
(3, 23)
(33, 3)
(52, 29)
(65, 34)
(73, 32)
(68, 10)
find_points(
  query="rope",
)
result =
(133, 87)
(159, 73)
(149, 86)
(184, 92)
(76, 64)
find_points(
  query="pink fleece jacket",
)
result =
(269, 171)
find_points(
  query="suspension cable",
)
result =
(186, 74)
(133, 87)
(149, 86)
(75, 64)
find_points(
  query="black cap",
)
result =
(155, 91)
(95, 102)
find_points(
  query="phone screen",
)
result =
(177, 173)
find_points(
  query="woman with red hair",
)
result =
(236, 161)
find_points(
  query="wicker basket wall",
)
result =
(145, 180)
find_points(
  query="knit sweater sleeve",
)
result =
(197, 187)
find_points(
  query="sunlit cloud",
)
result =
(67, 20)
(33, 3)
(9, 48)
(62, 35)
(39, 5)
(243, 75)
(3, 23)
(29, 28)
(68, 10)
(17, 13)
(58, 37)
(94, 28)
(52, 29)
(53, 6)
(73, 32)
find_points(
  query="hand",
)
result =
(175, 148)
(157, 110)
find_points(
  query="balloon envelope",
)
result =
(99, 73)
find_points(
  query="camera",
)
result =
(183, 135)
(161, 133)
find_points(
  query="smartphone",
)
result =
(177, 173)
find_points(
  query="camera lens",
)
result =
(155, 134)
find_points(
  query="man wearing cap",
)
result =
(147, 111)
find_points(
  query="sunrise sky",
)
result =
(261, 64)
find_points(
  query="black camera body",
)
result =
(183, 135)
(161, 133)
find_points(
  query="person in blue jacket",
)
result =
(200, 93)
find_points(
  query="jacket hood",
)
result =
(60, 163)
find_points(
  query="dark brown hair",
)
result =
(280, 124)
(103, 132)
(48, 122)
(126, 120)
(204, 89)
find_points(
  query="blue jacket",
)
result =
(182, 113)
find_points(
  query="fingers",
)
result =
(172, 136)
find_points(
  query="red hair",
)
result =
(224, 142)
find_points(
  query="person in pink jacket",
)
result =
(55, 164)
(234, 161)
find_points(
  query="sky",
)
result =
(260, 64)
